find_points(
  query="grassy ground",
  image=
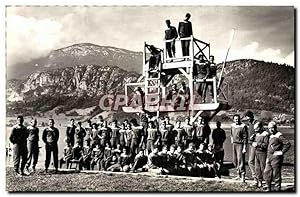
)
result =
(82, 182)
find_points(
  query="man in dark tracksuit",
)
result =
(278, 146)
(32, 145)
(89, 133)
(170, 34)
(80, 133)
(260, 142)
(170, 128)
(185, 30)
(219, 137)
(70, 133)
(152, 137)
(202, 131)
(144, 123)
(105, 134)
(180, 134)
(251, 161)
(115, 134)
(50, 137)
(137, 137)
(190, 132)
(165, 135)
(18, 138)
(202, 71)
(239, 139)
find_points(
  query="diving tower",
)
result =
(154, 82)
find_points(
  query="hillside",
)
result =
(260, 85)
(77, 76)
(83, 53)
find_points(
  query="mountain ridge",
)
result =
(85, 71)
(81, 53)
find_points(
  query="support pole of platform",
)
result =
(165, 52)
(196, 116)
(144, 58)
(208, 50)
(126, 95)
(184, 73)
(215, 89)
(191, 80)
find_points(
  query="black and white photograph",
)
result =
(159, 99)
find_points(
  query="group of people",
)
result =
(204, 67)
(169, 148)
(155, 145)
(184, 31)
(180, 149)
(266, 150)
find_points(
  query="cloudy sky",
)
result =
(263, 33)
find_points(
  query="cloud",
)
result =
(290, 59)
(253, 51)
(30, 38)
(35, 31)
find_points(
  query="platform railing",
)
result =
(197, 48)
(223, 92)
(214, 85)
(219, 95)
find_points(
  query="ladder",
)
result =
(153, 88)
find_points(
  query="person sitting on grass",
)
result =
(112, 164)
(77, 153)
(86, 155)
(140, 162)
(118, 150)
(107, 151)
(166, 167)
(154, 160)
(201, 156)
(124, 160)
(97, 157)
(190, 158)
(206, 162)
(172, 156)
(68, 154)
(212, 166)
(180, 163)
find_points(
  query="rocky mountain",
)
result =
(77, 76)
(83, 53)
(80, 86)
